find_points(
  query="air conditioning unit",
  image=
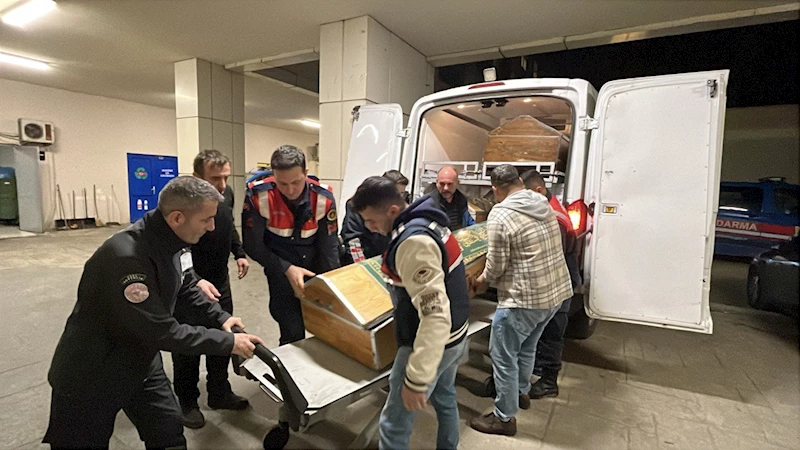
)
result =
(36, 132)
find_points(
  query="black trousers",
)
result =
(285, 308)
(86, 420)
(186, 368)
(551, 343)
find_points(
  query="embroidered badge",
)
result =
(136, 292)
(132, 277)
(332, 215)
(422, 276)
(430, 304)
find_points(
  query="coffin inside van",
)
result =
(525, 138)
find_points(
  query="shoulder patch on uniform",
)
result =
(422, 276)
(137, 292)
(132, 277)
(332, 215)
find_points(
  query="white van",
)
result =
(638, 172)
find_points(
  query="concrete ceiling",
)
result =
(125, 48)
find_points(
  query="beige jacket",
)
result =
(420, 254)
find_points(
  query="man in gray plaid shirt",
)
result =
(526, 264)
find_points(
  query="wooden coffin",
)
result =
(526, 139)
(351, 309)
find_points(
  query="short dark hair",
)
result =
(505, 175)
(215, 157)
(396, 176)
(186, 194)
(376, 192)
(533, 178)
(287, 157)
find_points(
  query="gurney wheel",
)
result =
(277, 437)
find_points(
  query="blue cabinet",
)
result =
(147, 175)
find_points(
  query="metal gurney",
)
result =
(313, 380)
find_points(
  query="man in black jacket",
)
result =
(551, 343)
(451, 200)
(108, 357)
(210, 257)
(360, 243)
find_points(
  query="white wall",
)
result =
(261, 141)
(449, 138)
(94, 135)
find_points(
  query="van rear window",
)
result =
(786, 201)
(530, 132)
(741, 199)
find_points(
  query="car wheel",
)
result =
(752, 287)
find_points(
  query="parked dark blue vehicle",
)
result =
(773, 280)
(756, 217)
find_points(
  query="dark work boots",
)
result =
(546, 386)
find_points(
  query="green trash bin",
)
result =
(9, 207)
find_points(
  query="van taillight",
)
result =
(578, 213)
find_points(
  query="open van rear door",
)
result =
(654, 171)
(375, 145)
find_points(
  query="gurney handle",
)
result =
(294, 401)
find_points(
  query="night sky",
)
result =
(762, 60)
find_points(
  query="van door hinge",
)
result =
(712, 88)
(589, 123)
(404, 133)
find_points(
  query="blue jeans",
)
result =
(512, 345)
(396, 421)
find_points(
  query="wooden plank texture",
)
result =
(525, 139)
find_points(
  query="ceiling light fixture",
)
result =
(28, 12)
(310, 123)
(24, 62)
(462, 106)
(528, 100)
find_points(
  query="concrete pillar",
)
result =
(362, 62)
(209, 107)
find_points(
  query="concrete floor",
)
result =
(12, 231)
(625, 387)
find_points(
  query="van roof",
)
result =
(481, 89)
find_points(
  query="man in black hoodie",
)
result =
(360, 243)
(427, 281)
